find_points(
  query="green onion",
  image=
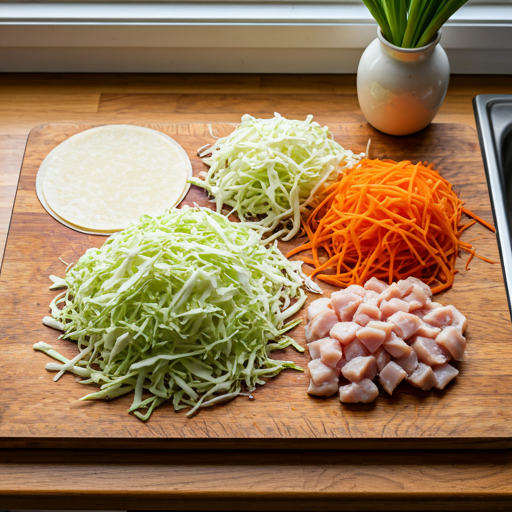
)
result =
(412, 23)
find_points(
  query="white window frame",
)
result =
(233, 36)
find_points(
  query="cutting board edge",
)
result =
(230, 443)
(457, 443)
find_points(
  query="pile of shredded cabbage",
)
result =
(271, 169)
(182, 307)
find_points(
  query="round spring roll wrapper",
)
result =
(158, 169)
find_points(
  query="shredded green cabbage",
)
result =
(271, 169)
(182, 307)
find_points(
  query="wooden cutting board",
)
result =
(474, 410)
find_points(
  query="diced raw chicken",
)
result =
(444, 374)
(320, 373)
(363, 392)
(428, 331)
(391, 292)
(320, 326)
(355, 288)
(405, 286)
(424, 286)
(423, 377)
(382, 356)
(391, 330)
(371, 338)
(341, 363)
(416, 298)
(397, 347)
(344, 332)
(355, 349)
(387, 327)
(372, 298)
(408, 363)
(325, 389)
(451, 339)
(327, 349)
(428, 351)
(314, 348)
(366, 313)
(375, 285)
(360, 368)
(439, 317)
(459, 320)
(392, 306)
(406, 324)
(345, 304)
(427, 308)
(317, 306)
(391, 376)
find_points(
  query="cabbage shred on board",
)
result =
(181, 306)
(271, 169)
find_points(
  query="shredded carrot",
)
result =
(389, 220)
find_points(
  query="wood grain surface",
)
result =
(263, 480)
(36, 410)
(327, 479)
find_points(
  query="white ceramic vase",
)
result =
(400, 90)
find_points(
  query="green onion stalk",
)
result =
(412, 23)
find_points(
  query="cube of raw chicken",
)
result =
(391, 292)
(320, 373)
(459, 320)
(372, 298)
(428, 331)
(416, 298)
(360, 368)
(439, 317)
(396, 346)
(424, 286)
(362, 392)
(428, 351)
(355, 349)
(344, 332)
(355, 288)
(345, 304)
(387, 327)
(451, 339)
(405, 286)
(371, 338)
(366, 313)
(375, 285)
(327, 350)
(406, 324)
(317, 306)
(444, 374)
(427, 308)
(408, 363)
(325, 389)
(391, 376)
(382, 356)
(423, 377)
(392, 306)
(320, 326)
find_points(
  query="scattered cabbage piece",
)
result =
(182, 307)
(271, 169)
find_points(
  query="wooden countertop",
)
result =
(179, 480)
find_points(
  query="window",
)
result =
(229, 36)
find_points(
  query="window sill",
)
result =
(229, 37)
